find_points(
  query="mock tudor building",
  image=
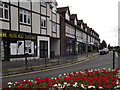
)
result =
(29, 29)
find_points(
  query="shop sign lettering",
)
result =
(20, 36)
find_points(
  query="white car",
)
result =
(104, 51)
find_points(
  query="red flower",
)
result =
(50, 85)
(16, 84)
(20, 88)
(92, 84)
(71, 82)
(39, 87)
(107, 86)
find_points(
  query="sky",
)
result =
(101, 15)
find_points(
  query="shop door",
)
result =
(43, 49)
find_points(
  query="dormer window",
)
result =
(67, 15)
(86, 29)
(75, 21)
(81, 26)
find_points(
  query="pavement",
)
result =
(36, 65)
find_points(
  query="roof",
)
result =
(73, 16)
(63, 9)
(80, 22)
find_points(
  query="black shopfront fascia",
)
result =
(19, 40)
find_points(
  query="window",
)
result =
(43, 3)
(25, 17)
(43, 22)
(4, 11)
(54, 27)
(81, 26)
(67, 15)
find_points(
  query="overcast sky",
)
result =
(101, 15)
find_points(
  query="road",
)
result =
(97, 62)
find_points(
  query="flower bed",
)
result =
(95, 79)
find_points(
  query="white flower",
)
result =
(55, 85)
(64, 74)
(9, 86)
(52, 78)
(100, 87)
(90, 86)
(82, 85)
(10, 83)
(65, 83)
(60, 75)
(68, 84)
(118, 86)
(117, 82)
(31, 80)
(55, 78)
(75, 83)
(59, 84)
(93, 86)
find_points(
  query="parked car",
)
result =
(103, 51)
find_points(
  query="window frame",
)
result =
(54, 27)
(3, 11)
(28, 16)
(43, 22)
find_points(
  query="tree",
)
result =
(103, 44)
(109, 47)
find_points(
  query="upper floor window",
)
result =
(67, 15)
(43, 3)
(25, 17)
(54, 27)
(81, 26)
(4, 11)
(43, 22)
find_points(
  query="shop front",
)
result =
(70, 46)
(17, 45)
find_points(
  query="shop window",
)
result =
(4, 11)
(29, 47)
(43, 22)
(25, 17)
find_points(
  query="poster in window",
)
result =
(20, 47)
(13, 48)
(29, 47)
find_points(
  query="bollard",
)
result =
(113, 59)
(118, 61)
(26, 61)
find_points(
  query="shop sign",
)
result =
(17, 35)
